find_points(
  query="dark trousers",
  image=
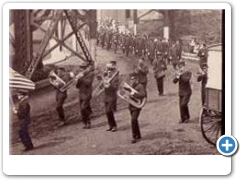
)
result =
(24, 134)
(183, 103)
(203, 95)
(160, 85)
(109, 107)
(86, 110)
(134, 122)
(60, 99)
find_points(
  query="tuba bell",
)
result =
(125, 93)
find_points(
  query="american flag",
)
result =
(19, 82)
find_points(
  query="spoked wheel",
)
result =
(211, 125)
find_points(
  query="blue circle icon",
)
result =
(227, 145)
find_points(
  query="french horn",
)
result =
(125, 92)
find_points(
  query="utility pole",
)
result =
(135, 21)
(166, 25)
(92, 17)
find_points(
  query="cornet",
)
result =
(126, 93)
(105, 82)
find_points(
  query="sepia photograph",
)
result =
(116, 81)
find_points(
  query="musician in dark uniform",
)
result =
(110, 91)
(23, 114)
(134, 111)
(159, 68)
(61, 96)
(183, 78)
(203, 78)
(203, 54)
(85, 95)
(142, 70)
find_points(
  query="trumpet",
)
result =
(105, 82)
(126, 94)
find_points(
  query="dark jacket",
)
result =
(143, 72)
(85, 86)
(111, 92)
(184, 83)
(140, 95)
(158, 68)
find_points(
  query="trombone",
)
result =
(61, 85)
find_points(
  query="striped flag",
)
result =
(20, 82)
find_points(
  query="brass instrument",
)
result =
(126, 93)
(76, 78)
(60, 84)
(104, 83)
(178, 73)
(55, 80)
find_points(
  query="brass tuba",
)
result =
(125, 93)
(103, 82)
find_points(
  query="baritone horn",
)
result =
(104, 81)
(125, 93)
(55, 80)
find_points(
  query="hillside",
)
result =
(205, 25)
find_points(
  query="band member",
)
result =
(203, 54)
(110, 89)
(159, 68)
(142, 70)
(179, 49)
(202, 77)
(23, 114)
(173, 56)
(134, 111)
(61, 96)
(183, 77)
(85, 95)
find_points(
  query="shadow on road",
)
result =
(54, 142)
(155, 135)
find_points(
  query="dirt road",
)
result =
(161, 133)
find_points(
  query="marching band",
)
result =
(160, 53)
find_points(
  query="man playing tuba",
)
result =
(135, 111)
(85, 95)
